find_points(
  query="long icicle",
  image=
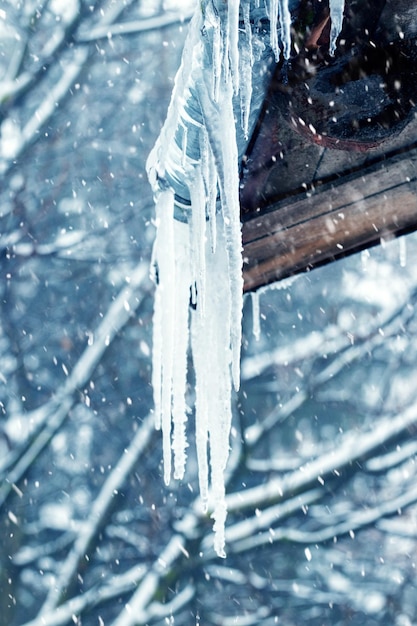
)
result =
(219, 121)
(245, 68)
(164, 321)
(336, 16)
(179, 378)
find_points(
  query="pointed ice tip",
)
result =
(221, 553)
(179, 474)
(236, 376)
(219, 546)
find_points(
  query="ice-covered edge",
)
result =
(199, 263)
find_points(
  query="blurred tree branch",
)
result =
(66, 48)
(45, 421)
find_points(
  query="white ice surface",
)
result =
(336, 16)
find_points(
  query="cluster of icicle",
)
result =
(197, 258)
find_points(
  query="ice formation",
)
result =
(336, 17)
(197, 259)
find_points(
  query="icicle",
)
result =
(213, 20)
(285, 24)
(211, 335)
(365, 260)
(403, 251)
(224, 14)
(273, 19)
(278, 10)
(200, 348)
(233, 42)
(208, 172)
(198, 239)
(219, 121)
(179, 379)
(171, 257)
(336, 15)
(256, 317)
(222, 310)
(164, 321)
(245, 68)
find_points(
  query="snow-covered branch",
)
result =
(332, 341)
(14, 144)
(45, 421)
(14, 140)
(18, 82)
(134, 27)
(350, 447)
(64, 613)
(248, 538)
(137, 610)
(101, 505)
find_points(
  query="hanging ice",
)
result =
(197, 253)
(279, 11)
(197, 260)
(336, 16)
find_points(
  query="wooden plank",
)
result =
(352, 213)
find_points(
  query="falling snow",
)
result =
(88, 535)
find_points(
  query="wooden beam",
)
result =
(332, 220)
